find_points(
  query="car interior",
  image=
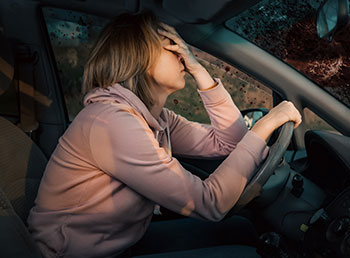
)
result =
(299, 199)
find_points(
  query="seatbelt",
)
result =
(26, 61)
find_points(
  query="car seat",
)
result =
(22, 164)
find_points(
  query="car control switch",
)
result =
(298, 183)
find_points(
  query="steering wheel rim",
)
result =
(276, 153)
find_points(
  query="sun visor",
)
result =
(194, 11)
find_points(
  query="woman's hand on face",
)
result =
(282, 113)
(180, 48)
(192, 66)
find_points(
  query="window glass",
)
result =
(72, 35)
(287, 30)
(314, 122)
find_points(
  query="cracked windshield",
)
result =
(287, 30)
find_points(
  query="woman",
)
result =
(114, 163)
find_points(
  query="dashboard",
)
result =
(312, 205)
(328, 161)
(328, 167)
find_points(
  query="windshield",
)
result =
(287, 30)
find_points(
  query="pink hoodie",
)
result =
(114, 163)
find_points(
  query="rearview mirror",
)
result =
(332, 15)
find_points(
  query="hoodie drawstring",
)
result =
(169, 142)
(169, 151)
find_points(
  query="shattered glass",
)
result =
(287, 30)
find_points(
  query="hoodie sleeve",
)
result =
(123, 146)
(218, 139)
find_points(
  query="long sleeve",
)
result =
(218, 139)
(123, 146)
(108, 171)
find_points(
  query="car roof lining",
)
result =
(174, 12)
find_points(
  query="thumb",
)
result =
(172, 47)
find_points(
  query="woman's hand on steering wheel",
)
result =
(282, 113)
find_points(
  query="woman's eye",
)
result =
(172, 42)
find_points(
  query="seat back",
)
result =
(15, 240)
(22, 164)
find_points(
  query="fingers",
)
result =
(172, 37)
(291, 112)
(181, 49)
(295, 116)
(298, 122)
(177, 50)
(169, 28)
(170, 32)
(279, 115)
(172, 47)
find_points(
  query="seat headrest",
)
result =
(6, 64)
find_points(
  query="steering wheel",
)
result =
(277, 150)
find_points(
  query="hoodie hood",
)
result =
(122, 95)
(119, 94)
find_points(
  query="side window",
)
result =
(245, 91)
(72, 35)
(314, 122)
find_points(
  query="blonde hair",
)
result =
(124, 52)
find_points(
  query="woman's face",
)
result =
(168, 72)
